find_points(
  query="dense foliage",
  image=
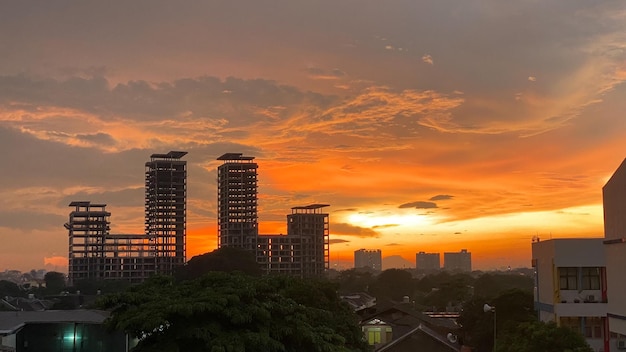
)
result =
(225, 259)
(234, 312)
(538, 336)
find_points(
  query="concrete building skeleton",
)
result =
(95, 254)
(303, 251)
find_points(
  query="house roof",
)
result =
(10, 322)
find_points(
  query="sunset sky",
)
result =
(427, 125)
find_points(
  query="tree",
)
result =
(540, 336)
(393, 284)
(235, 312)
(8, 288)
(55, 282)
(512, 308)
(353, 280)
(226, 259)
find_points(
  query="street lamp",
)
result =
(488, 308)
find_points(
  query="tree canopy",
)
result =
(226, 259)
(539, 336)
(233, 312)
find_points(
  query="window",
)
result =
(568, 278)
(591, 278)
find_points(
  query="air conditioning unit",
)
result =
(621, 344)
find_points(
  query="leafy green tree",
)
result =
(492, 285)
(55, 282)
(226, 259)
(393, 284)
(235, 312)
(353, 280)
(512, 308)
(539, 336)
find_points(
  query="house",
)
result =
(397, 327)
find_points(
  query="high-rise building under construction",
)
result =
(303, 251)
(95, 254)
(166, 209)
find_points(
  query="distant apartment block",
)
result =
(368, 258)
(457, 261)
(303, 251)
(427, 262)
(95, 254)
(571, 287)
(614, 200)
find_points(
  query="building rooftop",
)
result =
(11, 321)
(171, 155)
(235, 156)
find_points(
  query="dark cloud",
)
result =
(441, 197)
(419, 205)
(350, 230)
(392, 244)
(337, 240)
(30, 220)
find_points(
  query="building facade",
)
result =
(571, 287)
(458, 261)
(303, 251)
(95, 254)
(237, 194)
(368, 258)
(427, 262)
(614, 202)
(166, 209)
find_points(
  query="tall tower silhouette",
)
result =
(237, 193)
(166, 209)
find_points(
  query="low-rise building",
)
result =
(571, 287)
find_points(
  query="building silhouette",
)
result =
(368, 258)
(95, 254)
(427, 262)
(457, 261)
(166, 209)
(303, 251)
(614, 203)
(237, 194)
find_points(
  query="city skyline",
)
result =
(428, 126)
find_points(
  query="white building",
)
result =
(571, 287)
(614, 199)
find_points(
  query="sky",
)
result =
(427, 125)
